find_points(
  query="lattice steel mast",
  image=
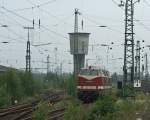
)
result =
(28, 56)
(28, 52)
(129, 44)
(128, 68)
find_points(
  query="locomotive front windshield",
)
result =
(89, 72)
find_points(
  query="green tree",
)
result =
(4, 98)
(71, 86)
(13, 88)
(27, 83)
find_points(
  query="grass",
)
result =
(108, 108)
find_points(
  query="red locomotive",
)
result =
(93, 82)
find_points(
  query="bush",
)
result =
(127, 109)
(74, 112)
(42, 112)
(102, 108)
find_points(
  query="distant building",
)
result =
(4, 68)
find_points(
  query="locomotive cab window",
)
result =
(89, 72)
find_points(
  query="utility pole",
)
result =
(48, 66)
(142, 72)
(56, 60)
(28, 52)
(146, 67)
(61, 70)
(128, 68)
(137, 61)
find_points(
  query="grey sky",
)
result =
(58, 19)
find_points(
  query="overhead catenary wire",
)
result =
(110, 28)
(98, 24)
(42, 44)
(16, 39)
(19, 24)
(43, 4)
(137, 21)
(11, 19)
(19, 35)
(116, 4)
(54, 16)
(43, 26)
(13, 32)
(34, 5)
(146, 2)
(50, 14)
(11, 39)
(113, 29)
(28, 20)
(143, 25)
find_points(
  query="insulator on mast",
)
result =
(82, 24)
(33, 23)
(39, 23)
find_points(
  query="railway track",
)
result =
(56, 114)
(24, 111)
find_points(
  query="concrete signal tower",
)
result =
(79, 42)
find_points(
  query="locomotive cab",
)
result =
(92, 83)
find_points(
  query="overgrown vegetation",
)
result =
(42, 111)
(20, 86)
(102, 108)
(108, 108)
(16, 86)
(64, 81)
(74, 112)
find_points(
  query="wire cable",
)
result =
(146, 2)
(28, 20)
(137, 21)
(54, 16)
(34, 5)
(50, 14)
(98, 24)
